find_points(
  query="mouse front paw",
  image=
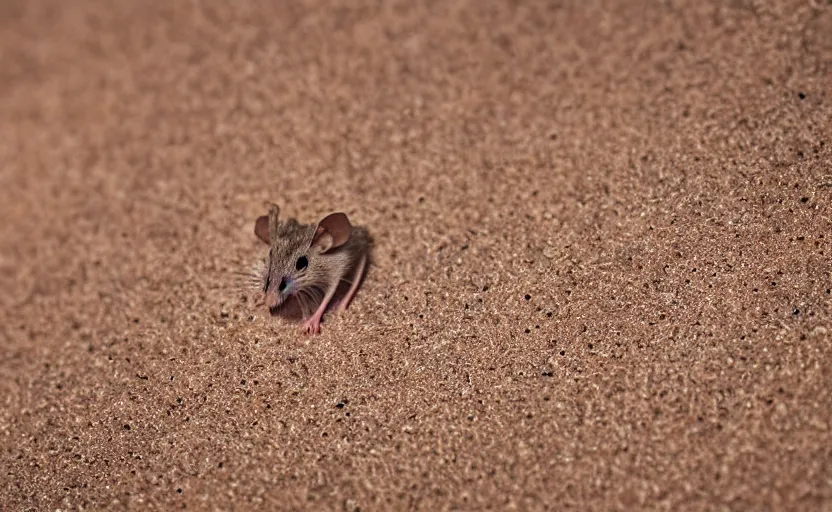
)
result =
(312, 326)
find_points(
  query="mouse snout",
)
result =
(274, 297)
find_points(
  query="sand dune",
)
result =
(601, 278)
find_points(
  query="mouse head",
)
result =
(298, 253)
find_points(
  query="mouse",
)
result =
(307, 263)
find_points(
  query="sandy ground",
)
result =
(602, 266)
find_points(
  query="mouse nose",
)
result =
(272, 299)
(283, 285)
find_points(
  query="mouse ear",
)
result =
(265, 227)
(261, 228)
(333, 231)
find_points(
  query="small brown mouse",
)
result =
(308, 262)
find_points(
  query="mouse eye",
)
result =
(302, 263)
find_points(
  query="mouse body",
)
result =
(308, 262)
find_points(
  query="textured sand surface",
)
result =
(603, 238)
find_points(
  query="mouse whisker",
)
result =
(310, 293)
(319, 294)
(248, 277)
(240, 286)
(303, 299)
(315, 295)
